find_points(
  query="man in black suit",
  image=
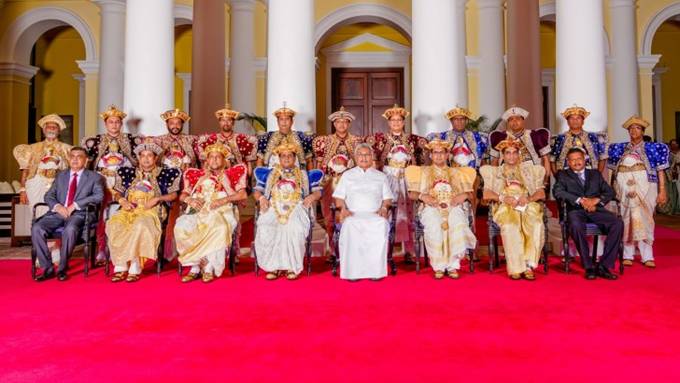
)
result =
(71, 192)
(586, 194)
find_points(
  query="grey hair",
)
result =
(362, 145)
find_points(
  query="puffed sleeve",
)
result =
(261, 174)
(661, 156)
(467, 176)
(557, 143)
(237, 177)
(494, 139)
(315, 176)
(171, 178)
(615, 153)
(22, 153)
(91, 145)
(482, 144)
(191, 176)
(541, 139)
(319, 146)
(487, 173)
(247, 145)
(539, 175)
(124, 177)
(262, 141)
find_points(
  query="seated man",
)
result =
(363, 196)
(74, 189)
(517, 187)
(586, 194)
(284, 192)
(443, 190)
(134, 231)
(204, 232)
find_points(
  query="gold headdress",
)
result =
(395, 110)
(438, 144)
(175, 113)
(340, 114)
(576, 110)
(636, 120)
(227, 112)
(508, 143)
(112, 111)
(457, 112)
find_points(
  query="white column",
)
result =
(112, 53)
(625, 91)
(149, 62)
(290, 61)
(580, 71)
(242, 88)
(491, 62)
(439, 72)
(81, 106)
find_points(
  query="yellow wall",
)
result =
(666, 44)
(183, 35)
(56, 89)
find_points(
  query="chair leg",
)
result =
(254, 253)
(471, 257)
(596, 240)
(87, 257)
(417, 249)
(34, 256)
(492, 250)
(621, 258)
(107, 266)
(179, 268)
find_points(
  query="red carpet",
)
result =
(483, 327)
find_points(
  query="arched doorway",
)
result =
(363, 54)
(659, 41)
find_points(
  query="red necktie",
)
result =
(72, 190)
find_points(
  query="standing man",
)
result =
(242, 146)
(67, 198)
(40, 162)
(178, 148)
(363, 196)
(467, 147)
(334, 155)
(107, 153)
(392, 153)
(594, 145)
(640, 185)
(535, 142)
(586, 193)
(269, 141)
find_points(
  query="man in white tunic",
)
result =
(363, 196)
(285, 193)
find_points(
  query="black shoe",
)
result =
(45, 276)
(61, 276)
(604, 272)
(591, 274)
(408, 259)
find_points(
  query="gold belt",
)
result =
(634, 168)
(48, 173)
(397, 164)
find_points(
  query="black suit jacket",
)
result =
(90, 190)
(568, 188)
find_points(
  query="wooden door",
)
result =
(366, 93)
